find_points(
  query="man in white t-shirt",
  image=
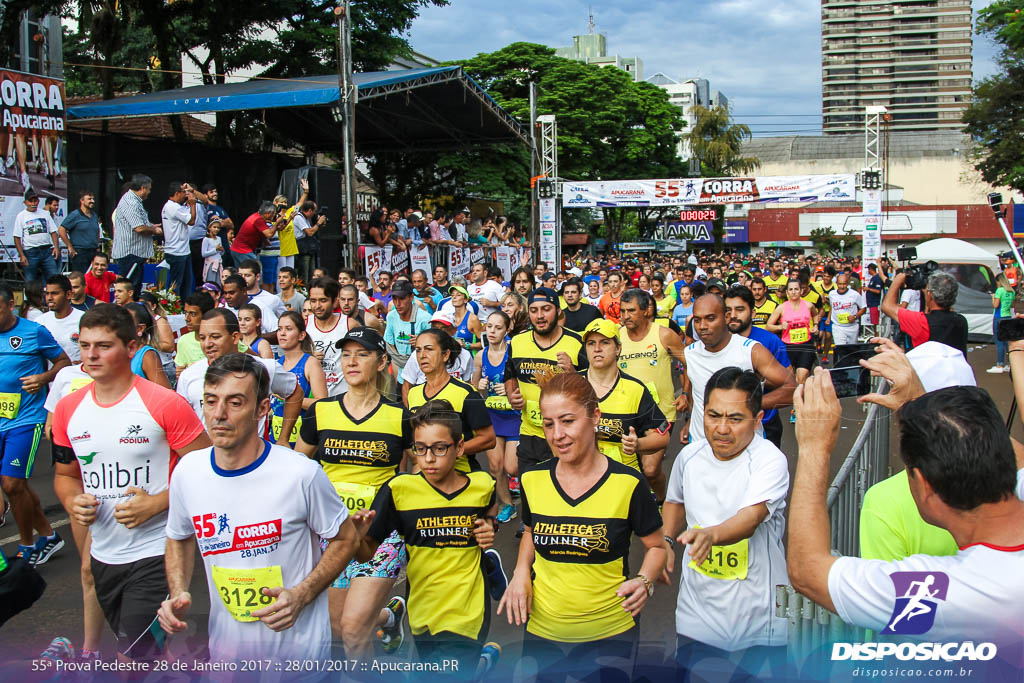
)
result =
(218, 336)
(35, 239)
(848, 306)
(486, 293)
(126, 435)
(962, 472)
(910, 299)
(729, 493)
(257, 512)
(271, 306)
(62, 320)
(178, 213)
(326, 329)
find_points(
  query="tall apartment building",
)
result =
(685, 95)
(591, 48)
(911, 56)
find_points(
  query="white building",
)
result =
(686, 95)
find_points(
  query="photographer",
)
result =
(306, 227)
(938, 322)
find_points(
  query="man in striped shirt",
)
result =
(133, 233)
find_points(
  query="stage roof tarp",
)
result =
(436, 108)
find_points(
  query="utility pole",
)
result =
(347, 100)
(533, 174)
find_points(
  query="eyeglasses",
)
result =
(439, 449)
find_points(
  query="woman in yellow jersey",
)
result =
(359, 438)
(435, 351)
(631, 422)
(297, 350)
(571, 585)
(663, 303)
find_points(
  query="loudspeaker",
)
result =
(324, 189)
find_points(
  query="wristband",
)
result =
(671, 541)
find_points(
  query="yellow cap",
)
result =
(603, 327)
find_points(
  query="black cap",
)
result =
(544, 294)
(715, 282)
(30, 194)
(367, 337)
(402, 288)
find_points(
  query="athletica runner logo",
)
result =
(15, 343)
(571, 538)
(917, 596)
(131, 435)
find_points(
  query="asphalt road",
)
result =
(58, 613)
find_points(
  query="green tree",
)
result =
(825, 241)
(995, 117)
(718, 143)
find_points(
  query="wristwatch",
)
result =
(647, 584)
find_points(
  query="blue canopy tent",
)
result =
(423, 109)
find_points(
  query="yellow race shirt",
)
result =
(649, 361)
(447, 592)
(527, 361)
(360, 453)
(776, 287)
(581, 550)
(762, 313)
(819, 286)
(627, 404)
(466, 401)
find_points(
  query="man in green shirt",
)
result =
(891, 528)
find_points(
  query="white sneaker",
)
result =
(26, 182)
(10, 162)
(996, 369)
(1006, 368)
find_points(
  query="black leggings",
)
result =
(609, 660)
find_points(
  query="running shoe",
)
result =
(490, 653)
(89, 656)
(507, 513)
(27, 553)
(996, 369)
(391, 637)
(26, 182)
(497, 580)
(59, 649)
(46, 547)
(7, 508)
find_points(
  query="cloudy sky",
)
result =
(764, 56)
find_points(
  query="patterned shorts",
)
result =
(387, 563)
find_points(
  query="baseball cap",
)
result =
(715, 282)
(367, 337)
(415, 216)
(30, 194)
(443, 317)
(544, 294)
(603, 327)
(940, 366)
(401, 289)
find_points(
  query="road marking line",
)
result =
(64, 521)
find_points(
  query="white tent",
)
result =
(949, 250)
(975, 269)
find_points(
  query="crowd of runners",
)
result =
(342, 453)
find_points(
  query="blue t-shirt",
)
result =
(682, 313)
(873, 300)
(24, 350)
(398, 331)
(83, 231)
(678, 284)
(770, 341)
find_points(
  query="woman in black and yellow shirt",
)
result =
(631, 422)
(359, 438)
(580, 509)
(435, 351)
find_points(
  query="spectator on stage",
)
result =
(212, 195)
(306, 229)
(254, 232)
(133, 233)
(178, 214)
(81, 232)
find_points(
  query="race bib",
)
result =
(9, 405)
(799, 335)
(533, 413)
(654, 391)
(79, 382)
(277, 422)
(355, 496)
(498, 403)
(241, 589)
(844, 318)
(727, 562)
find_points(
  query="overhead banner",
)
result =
(32, 121)
(707, 191)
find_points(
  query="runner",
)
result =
(468, 330)
(797, 322)
(577, 313)
(270, 304)
(25, 349)
(547, 345)
(146, 359)
(632, 424)
(733, 557)
(775, 281)
(218, 334)
(127, 434)
(436, 352)
(847, 308)
(326, 328)
(610, 299)
(261, 550)
(571, 587)
(825, 286)
(447, 519)
(488, 374)
(404, 322)
(764, 305)
(62, 319)
(250, 319)
(646, 355)
(359, 438)
(297, 358)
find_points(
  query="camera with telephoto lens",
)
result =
(918, 274)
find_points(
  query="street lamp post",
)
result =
(347, 100)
